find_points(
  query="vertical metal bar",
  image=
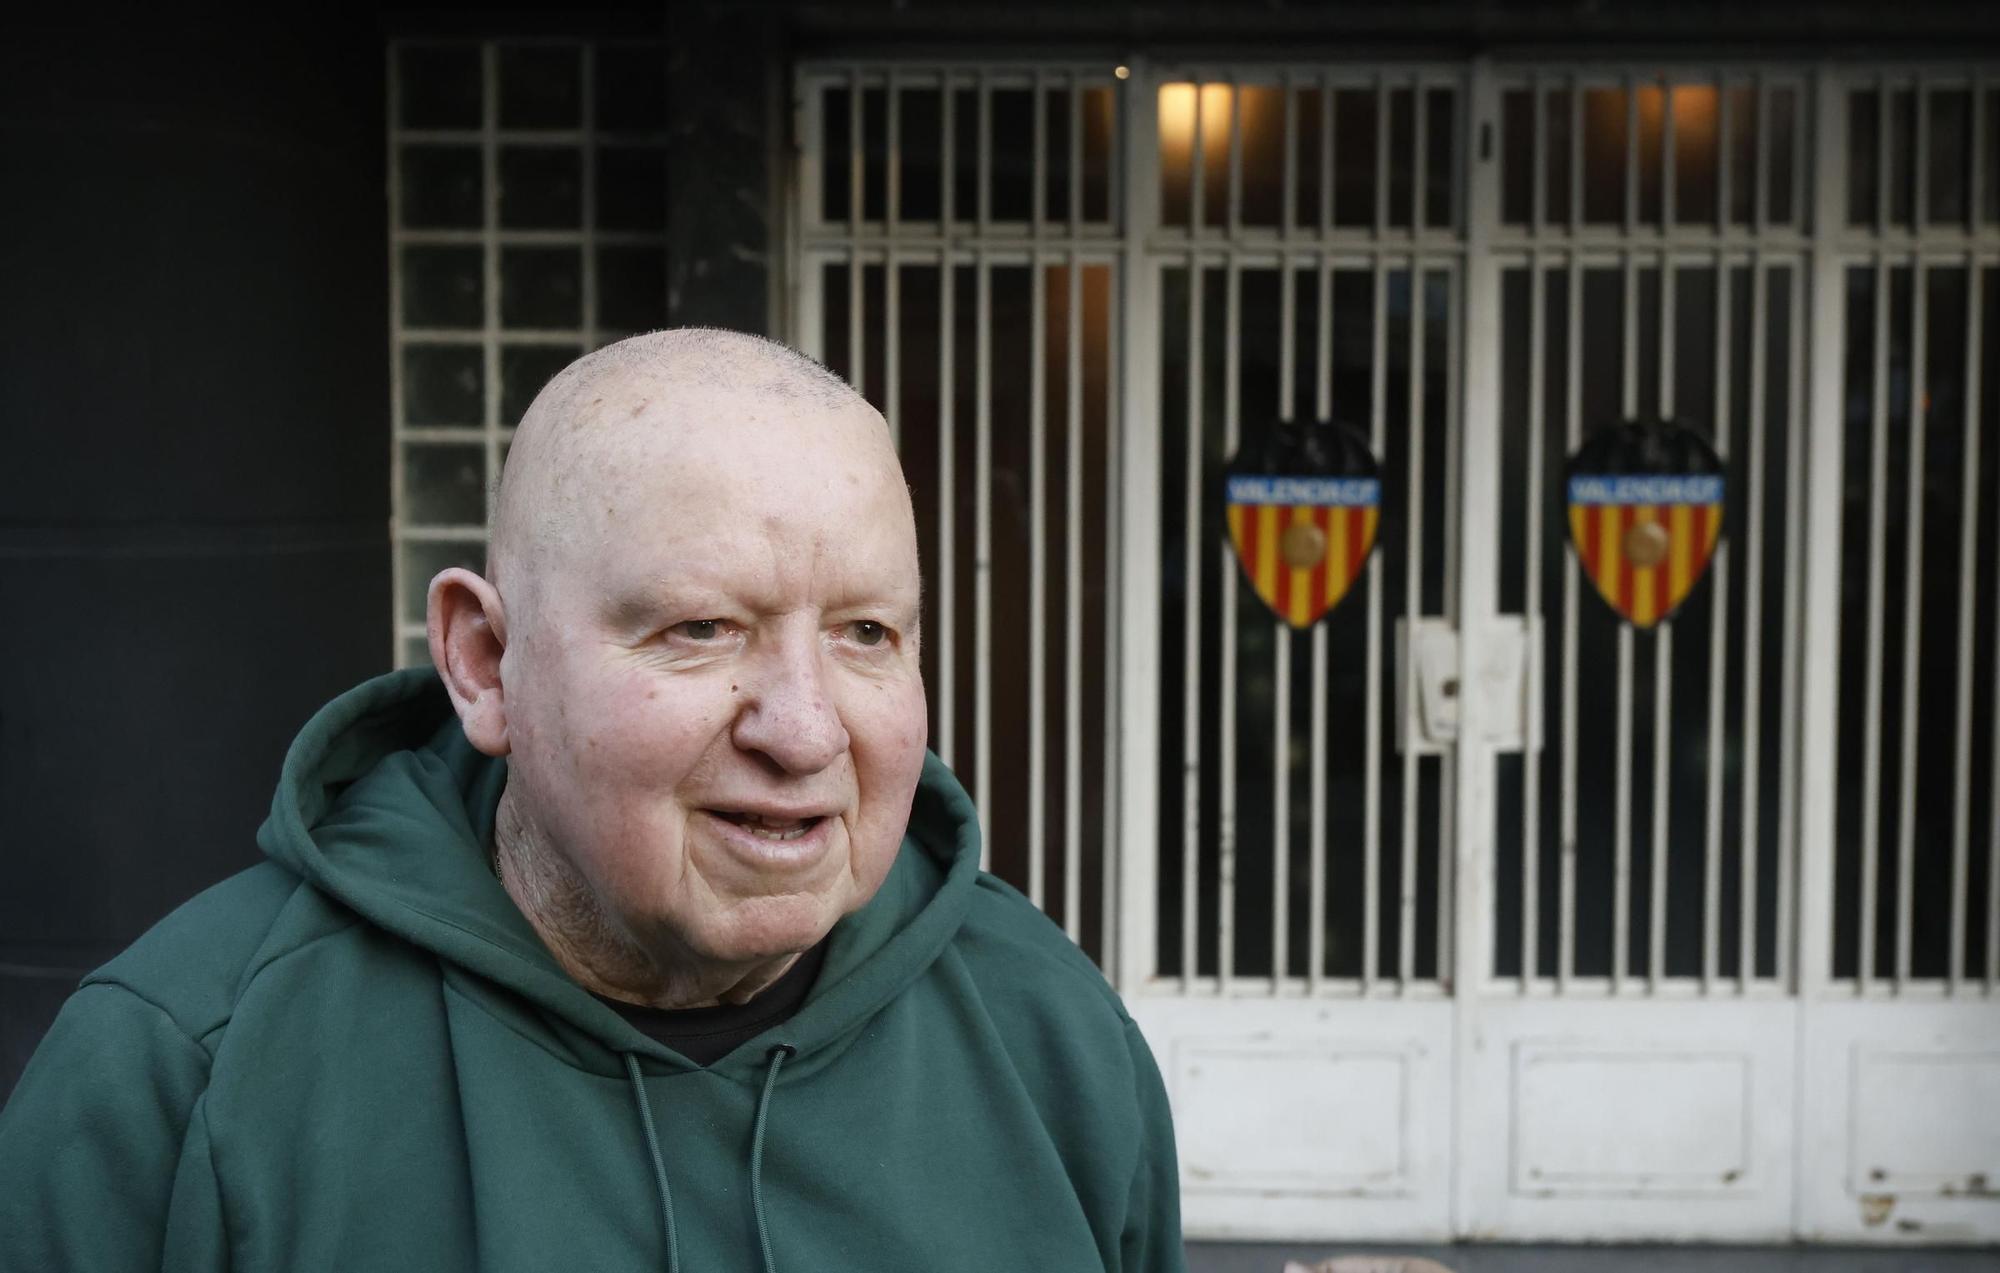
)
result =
(1290, 197)
(946, 570)
(1371, 812)
(856, 174)
(1381, 155)
(1316, 899)
(1631, 164)
(1073, 602)
(1790, 761)
(1762, 212)
(1663, 679)
(1978, 277)
(1114, 671)
(1871, 746)
(1413, 564)
(1474, 824)
(1039, 180)
(892, 347)
(1621, 890)
(1197, 167)
(1573, 437)
(1325, 162)
(1133, 651)
(1575, 155)
(1882, 117)
(1753, 627)
(892, 319)
(982, 532)
(1191, 626)
(1667, 144)
(1419, 169)
(398, 410)
(1538, 196)
(1818, 650)
(588, 198)
(1232, 385)
(1281, 646)
(489, 233)
(983, 161)
(1913, 615)
(1235, 157)
(1920, 197)
(1038, 574)
(1968, 564)
(1975, 175)
(1725, 133)
(1038, 515)
(1075, 156)
(982, 482)
(1449, 825)
(1991, 277)
(1718, 648)
(1531, 754)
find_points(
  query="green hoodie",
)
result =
(358, 1056)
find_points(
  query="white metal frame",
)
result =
(1069, 242)
(1748, 1048)
(1896, 1073)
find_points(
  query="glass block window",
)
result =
(527, 225)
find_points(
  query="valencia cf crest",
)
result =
(1303, 503)
(1645, 513)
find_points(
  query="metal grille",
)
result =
(1310, 254)
(959, 264)
(1651, 247)
(527, 225)
(1916, 906)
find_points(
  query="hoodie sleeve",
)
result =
(91, 1140)
(1151, 1242)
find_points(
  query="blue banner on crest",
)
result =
(1646, 488)
(1343, 492)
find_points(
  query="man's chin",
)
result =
(766, 929)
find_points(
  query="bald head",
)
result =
(690, 395)
(703, 602)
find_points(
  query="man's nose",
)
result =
(787, 714)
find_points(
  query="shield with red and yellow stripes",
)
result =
(1645, 514)
(1302, 512)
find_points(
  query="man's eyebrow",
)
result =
(633, 607)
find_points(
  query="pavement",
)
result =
(1263, 1257)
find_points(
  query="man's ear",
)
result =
(468, 634)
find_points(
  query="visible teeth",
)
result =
(769, 830)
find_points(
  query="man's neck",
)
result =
(588, 945)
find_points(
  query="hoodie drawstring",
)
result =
(659, 1167)
(778, 1055)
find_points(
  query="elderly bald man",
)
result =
(642, 933)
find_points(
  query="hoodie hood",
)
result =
(383, 805)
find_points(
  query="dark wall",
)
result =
(194, 495)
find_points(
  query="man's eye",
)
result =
(699, 629)
(868, 632)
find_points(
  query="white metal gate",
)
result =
(1473, 912)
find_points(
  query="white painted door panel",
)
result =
(1902, 1130)
(1304, 1120)
(1630, 1121)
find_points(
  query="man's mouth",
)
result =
(768, 828)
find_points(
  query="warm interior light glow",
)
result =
(1122, 72)
(1177, 113)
